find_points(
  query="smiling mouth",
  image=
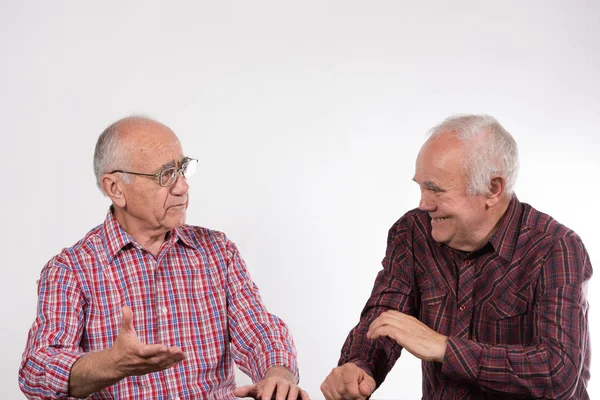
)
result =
(439, 219)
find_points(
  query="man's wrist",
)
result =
(281, 372)
(443, 347)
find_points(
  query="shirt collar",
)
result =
(504, 240)
(181, 234)
(115, 237)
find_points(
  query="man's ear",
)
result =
(113, 188)
(496, 192)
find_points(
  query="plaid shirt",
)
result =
(196, 294)
(515, 312)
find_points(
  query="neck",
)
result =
(488, 230)
(149, 237)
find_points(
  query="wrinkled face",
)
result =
(152, 207)
(456, 217)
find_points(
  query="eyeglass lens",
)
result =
(169, 175)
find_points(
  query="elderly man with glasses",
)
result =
(145, 306)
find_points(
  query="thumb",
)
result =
(127, 321)
(244, 391)
(367, 386)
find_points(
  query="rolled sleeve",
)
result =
(259, 340)
(53, 344)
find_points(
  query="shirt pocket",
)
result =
(507, 314)
(433, 309)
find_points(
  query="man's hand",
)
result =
(348, 382)
(128, 356)
(410, 333)
(132, 357)
(279, 383)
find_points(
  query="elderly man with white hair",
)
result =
(487, 291)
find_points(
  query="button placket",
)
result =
(464, 298)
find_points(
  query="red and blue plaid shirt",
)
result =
(196, 294)
(515, 311)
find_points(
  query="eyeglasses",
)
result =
(168, 176)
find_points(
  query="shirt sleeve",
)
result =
(392, 290)
(53, 342)
(552, 365)
(259, 340)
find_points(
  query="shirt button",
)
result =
(463, 308)
(461, 392)
(467, 262)
(163, 309)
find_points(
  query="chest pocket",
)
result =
(433, 309)
(507, 315)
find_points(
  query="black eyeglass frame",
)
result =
(159, 175)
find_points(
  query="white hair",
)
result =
(491, 151)
(110, 154)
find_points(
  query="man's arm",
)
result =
(261, 343)
(128, 356)
(53, 342)
(55, 366)
(550, 368)
(364, 363)
(392, 290)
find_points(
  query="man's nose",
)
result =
(180, 187)
(426, 203)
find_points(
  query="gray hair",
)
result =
(110, 154)
(491, 151)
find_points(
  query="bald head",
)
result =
(125, 143)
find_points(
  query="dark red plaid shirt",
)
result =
(515, 312)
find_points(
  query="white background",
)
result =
(306, 118)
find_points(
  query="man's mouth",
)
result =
(440, 219)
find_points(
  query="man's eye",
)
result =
(168, 173)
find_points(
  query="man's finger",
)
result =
(325, 390)
(268, 389)
(282, 389)
(392, 332)
(350, 385)
(152, 350)
(367, 386)
(127, 321)
(390, 317)
(245, 391)
(304, 395)
(292, 393)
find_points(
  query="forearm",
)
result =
(260, 340)
(543, 370)
(93, 372)
(259, 353)
(375, 357)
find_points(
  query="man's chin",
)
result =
(438, 236)
(174, 222)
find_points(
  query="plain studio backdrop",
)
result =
(306, 118)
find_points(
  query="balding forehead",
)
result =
(135, 123)
(144, 140)
(143, 129)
